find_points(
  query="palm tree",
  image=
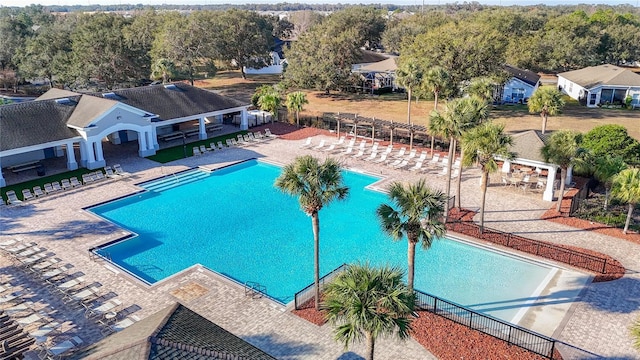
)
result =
(295, 102)
(562, 149)
(480, 145)
(548, 102)
(606, 168)
(409, 76)
(365, 302)
(416, 212)
(626, 188)
(271, 102)
(482, 88)
(316, 185)
(163, 69)
(437, 81)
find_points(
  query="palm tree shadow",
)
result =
(350, 355)
(282, 350)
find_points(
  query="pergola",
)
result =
(376, 125)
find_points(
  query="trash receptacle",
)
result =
(40, 170)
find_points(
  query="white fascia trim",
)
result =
(40, 146)
(124, 107)
(197, 116)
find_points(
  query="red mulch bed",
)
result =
(613, 271)
(446, 339)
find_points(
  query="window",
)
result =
(517, 95)
(592, 98)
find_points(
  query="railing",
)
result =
(254, 290)
(550, 251)
(305, 295)
(512, 334)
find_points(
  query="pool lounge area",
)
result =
(59, 222)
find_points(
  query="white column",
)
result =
(203, 131)
(142, 142)
(98, 148)
(58, 151)
(95, 159)
(71, 157)
(91, 155)
(154, 138)
(569, 178)
(83, 153)
(244, 121)
(506, 166)
(145, 141)
(551, 178)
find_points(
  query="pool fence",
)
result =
(304, 296)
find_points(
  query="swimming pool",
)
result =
(235, 222)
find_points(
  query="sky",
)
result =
(398, 2)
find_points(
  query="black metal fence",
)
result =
(549, 251)
(305, 295)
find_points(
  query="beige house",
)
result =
(601, 85)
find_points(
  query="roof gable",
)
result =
(526, 76)
(527, 145)
(387, 65)
(594, 76)
(89, 109)
(55, 93)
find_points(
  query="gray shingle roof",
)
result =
(88, 109)
(527, 145)
(527, 76)
(611, 75)
(55, 93)
(35, 122)
(175, 100)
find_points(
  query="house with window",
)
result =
(378, 75)
(520, 86)
(601, 85)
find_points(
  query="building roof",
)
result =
(368, 56)
(35, 122)
(55, 93)
(173, 101)
(594, 76)
(88, 109)
(173, 333)
(528, 77)
(527, 145)
(387, 65)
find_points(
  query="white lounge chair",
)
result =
(70, 285)
(203, 149)
(417, 166)
(120, 325)
(99, 175)
(107, 306)
(56, 186)
(359, 154)
(402, 164)
(411, 155)
(320, 145)
(12, 198)
(422, 157)
(340, 141)
(371, 156)
(382, 159)
(306, 144)
(65, 184)
(268, 133)
(74, 182)
(37, 191)
(60, 349)
(434, 160)
(27, 195)
(396, 162)
(212, 147)
(196, 151)
(400, 153)
(329, 148)
(375, 146)
(229, 144)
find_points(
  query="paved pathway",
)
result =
(59, 223)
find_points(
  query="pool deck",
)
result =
(597, 321)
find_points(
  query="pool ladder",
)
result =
(254, 290)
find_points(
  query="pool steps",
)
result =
(171, 181)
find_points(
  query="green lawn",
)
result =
(41, 181)
(178, 152)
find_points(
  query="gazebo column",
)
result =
(154, 138)
(569, 179)
(90, 161)
(244, 120)
(99, 155)
(145, 144)
(506, 166)
(71, 157)
(203, 131)
(83, 154)
(549, 191)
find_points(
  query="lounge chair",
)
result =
(411, 155)
(375, 146)
(29, 252)
(330, 148)
(382, 158)
(234, 142)
(84, 296)
(371, 156)
(20, 247)
(363, 146)
(434, 161)
(99, 175)
(34, 259)
(340, 141)
(106, 307)
(63, 348)
(219, 145)
(422, 157)
(109, 172)
(385, 153)
(44, 265)
(70, 285)
(396, 162)
(242, 141)
(320, 146)
(268, 133)
(42, 333)
(27, 195)
(229, 143)
(306, 144)
(400, 153)
(37, 191)
(20, 310)
(417, 166)
(86, 179)
(119, 326)
(119, 171)
(253, 138)
(402, 164)
(259, 137)
(12, 198)
(196, 151)
(359, 154)
(56, 186)
(247, 139)
(203, 149)
(65, 184)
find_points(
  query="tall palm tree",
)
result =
(365, 302)
(271, 102)
(626, 188)
(437, 81)
(482, 88)
(480, 145)
(316, 185)
(548, 102)
(295, 102)
(409, 76)
(416, 211)
(606, 168)
(562, 149)
(458, 116)
(163, 69)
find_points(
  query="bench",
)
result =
(191, 132)
(214, 127)
(25, 166)
(171, 136)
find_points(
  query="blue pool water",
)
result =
(235, 222)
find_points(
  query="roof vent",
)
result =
(110, 95)
(171, 87)
(63, 101)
